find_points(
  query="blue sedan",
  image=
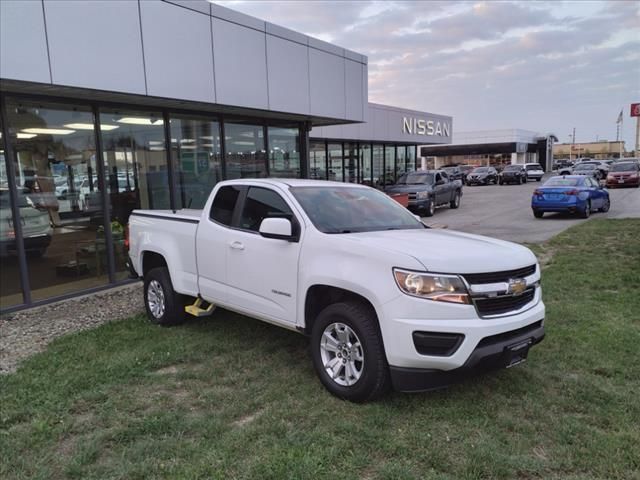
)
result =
(570, 194)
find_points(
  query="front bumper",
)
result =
(33, 243)
(492, 353)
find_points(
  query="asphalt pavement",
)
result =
(504, 211)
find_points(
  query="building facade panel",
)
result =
(353, 84)
(288, 74)
(104, 55)
(240, 65)
(23, 51)
(327, 92)
(181, 38)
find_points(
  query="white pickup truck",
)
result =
(385, 300)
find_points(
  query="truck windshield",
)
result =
(353, 209)
(415, 178)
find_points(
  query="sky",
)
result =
(541, 66)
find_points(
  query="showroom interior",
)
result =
(80, 149)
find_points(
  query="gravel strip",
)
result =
(27, 332)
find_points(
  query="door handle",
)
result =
(236, 245)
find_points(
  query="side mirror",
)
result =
(278, 228)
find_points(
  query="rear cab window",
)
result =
(224, 204)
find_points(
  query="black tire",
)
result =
(173, 311)
(455, 203)
(431, 208)
(374, 380)
(538, 214)
(501, 182)
(587, 211)
(538, 179)
(607, 205)
(523, 180)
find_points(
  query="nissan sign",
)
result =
(635, 109)
(420, 126)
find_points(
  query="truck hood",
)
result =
(447, 251)
(418, 187)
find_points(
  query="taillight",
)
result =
(571, 192)
(538, 192)
(126, 237)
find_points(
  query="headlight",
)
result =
(422, 195)
(437, 287)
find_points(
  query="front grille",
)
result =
(506, 336)
(497, 277)
(413, 196)
(504, 304)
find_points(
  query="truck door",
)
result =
(441, 188)
(262, 273)
(212, 244)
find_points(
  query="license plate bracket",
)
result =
(517, 353)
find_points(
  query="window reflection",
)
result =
(365, 164)
(390, 165)
(411, 158)
(378, 160)
(58, 197)
(284, 152)
(317, 161)
(135, 165)
(195, 146)
(336, 172)
(401, 160)
(245, 151)
(351, 162)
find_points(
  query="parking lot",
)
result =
(504, 211)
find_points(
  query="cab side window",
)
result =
(224, 204)
(438, 178)
(260, 204)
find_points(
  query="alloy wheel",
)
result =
(155, 299)
(342, 354)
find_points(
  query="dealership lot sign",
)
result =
(420, 126)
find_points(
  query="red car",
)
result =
(623, 174)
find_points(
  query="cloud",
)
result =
(544, 66)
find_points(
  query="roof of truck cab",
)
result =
(294, 182)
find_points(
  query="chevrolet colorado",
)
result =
(386, 301)
(428, 189)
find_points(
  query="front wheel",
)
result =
(431, 208)
(455, 203)
(348, 353)
(606, 206)
(538, 179)
(164, 306)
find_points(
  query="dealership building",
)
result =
(106, 107)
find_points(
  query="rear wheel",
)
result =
(164, 306)
(538, 213)
(587, 210)
(606, 205)
(348, 353)
(523, 180)
(455, 203)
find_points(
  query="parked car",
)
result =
(482, 176)
(428, 189)
(577, 194)
(534, 171)
(588, 169)
(563, 165)
(624, 174)
(36, 226)
(513, 174)
(352, 269)
(454, 173)
(601, 165)
(465, 170)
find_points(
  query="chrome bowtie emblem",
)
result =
(517, 286)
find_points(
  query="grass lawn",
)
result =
(231, 397)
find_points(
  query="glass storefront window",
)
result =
(336, 172)
(195, 152)
(284, 152)
(136, 169)
(59, 196)
(378, 161)
(401, 160)
(317, 161)
(245, 151)
(411, 158)
(10, 291)
(389, 165)
(365, 164)
(351, 162)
